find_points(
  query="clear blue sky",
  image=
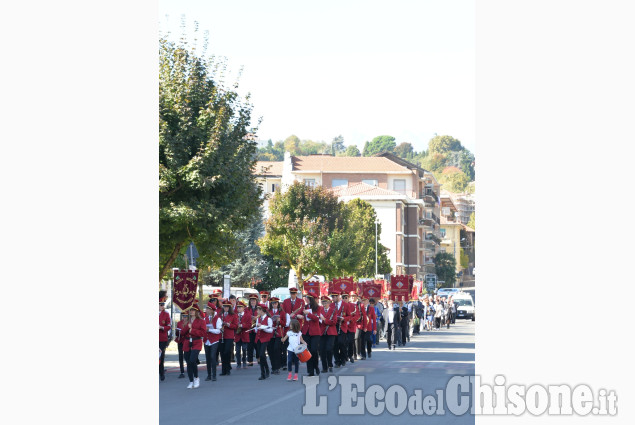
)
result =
(355, 68)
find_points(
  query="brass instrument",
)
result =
(240, 324)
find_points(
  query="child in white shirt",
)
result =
(295, 338)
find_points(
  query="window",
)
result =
(399, 185)
(339, 182)
(309, 182)
(274, 187)
(443, 233)
(372, 182)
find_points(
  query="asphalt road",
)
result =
(427, 362)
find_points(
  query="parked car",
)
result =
(465, 308)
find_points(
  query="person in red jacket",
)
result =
(242, 336)
(264, 330)
(360, 328)
(193, 343)
(253, 313)
(264, 299)
(214, 324)
(350, 320)
(280, 322)
(340, 348)
(164, 326)
(185, 319)
(329, 333)
(230, 324)
(313, 314)
(370, 327)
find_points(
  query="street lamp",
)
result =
(376, 223)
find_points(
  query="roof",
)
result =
(268, 168)
(363, 189)
(446, 222)
(343, 164)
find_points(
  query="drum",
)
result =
(302, 353)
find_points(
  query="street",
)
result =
(427, 362)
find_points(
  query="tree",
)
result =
(443, 144)
(472, 222)
(353, 245)
(207, 190)
(299, 228)
(454, 181)
(249, 262)
(352, 150)
(380, 144)
(445, 268)
(405, 150)
(337, 145)
(276, 274)
(433, 162)
(465, 259)
(292, 144)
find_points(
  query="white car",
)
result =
(445, 292)
(464, 306)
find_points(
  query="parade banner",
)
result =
(399, 288)
(312, 287)
(371, 290)
(185, 285)
(345, 284)
(325, 288)
(416, 290)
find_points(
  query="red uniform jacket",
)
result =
(261, 335)
(210, 336)
(230, 329)
(330, 320)
(342, 311)
(351, 318)
(361, 325)
(195, 334)
(280, 330)
(179, 326)
(245, 323)
(164, 320)
(313, 325)
(371, 318)
(290, 307)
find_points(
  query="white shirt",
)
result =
(269, 325)
(214, 328)
(294, 339)
(391, 315)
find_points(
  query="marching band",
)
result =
(332, 331)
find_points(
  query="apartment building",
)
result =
(465, 204)
(405, 198)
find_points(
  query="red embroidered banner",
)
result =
(399, 288)
(325, 288)
(185, 285)
(371, 290)
(312, 287)
(346, 284)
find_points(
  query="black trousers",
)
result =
(363, 343)
(404, 333)
(369, 342)
(437, 322)
(350, 342)
(192, 368)
(337, 349)
(226, 347)
(283, 352)
(356, 342)
(162, 346)
(241, 352)
(251, 346)
(313, 345)
(390, 334)
(274, 348)
(261, 349)
(326, 350)
(210, 358)
(180, 347)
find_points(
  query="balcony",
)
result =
(436, 219)
(429, 196)
(426, 222)
(428, 261)
(431, 237)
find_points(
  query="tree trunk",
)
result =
(168, 264)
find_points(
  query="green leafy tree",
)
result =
(379, 144)
(445, 268)
(465, 259)
(472, 222)
(433, 162)
(249, 262)
(207, 190)
(337, 145)
(454, 181)
(405, 150)
(353, 245)
(292, 144)
(299, 228)
(443, 144)
(276, 274)
(352, 150)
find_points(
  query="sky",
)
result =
(359, 69)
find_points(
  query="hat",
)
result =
(293, 290)
(305, 293)
(254, 296)
(263, 307)
(344, 295)
(163, 296)
(335, 291)
(194, 307)
(325, 298)
(210, 305)
(226, 302)
(216, 293)
(274, 300)
(353, 294)
(264, 293)
(240, 304)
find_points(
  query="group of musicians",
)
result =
(337, 329)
